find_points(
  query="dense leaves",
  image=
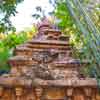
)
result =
(7, 9)
(8, 42)
(75, 21)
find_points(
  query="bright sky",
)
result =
(25, 10)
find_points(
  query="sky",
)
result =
(23, 18)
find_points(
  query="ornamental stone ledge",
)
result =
(71, 82)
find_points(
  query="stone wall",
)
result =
(49, 93)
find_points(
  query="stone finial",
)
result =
(44, 23)
(42, 26)
(48, 30)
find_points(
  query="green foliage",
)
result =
(95, 15)
(14, 39)
(9, 41)
(6, 48)
(62, 13)
(5, 53)
(85, 36)
(7, 9)
(66, 23)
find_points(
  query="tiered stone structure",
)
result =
(44, 69)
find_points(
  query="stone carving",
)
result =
(41, 69)
(44, 56)
(44, 69)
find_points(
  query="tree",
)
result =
(7, 9)
(75, 20)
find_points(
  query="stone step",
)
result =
(52, 31)
(59, 38)
(19, 60)
(48, 44)
(23, 50)
(56, 34)
(71, 63)
(70, 82)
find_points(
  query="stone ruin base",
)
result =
(70, 89)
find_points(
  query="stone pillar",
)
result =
(69, 93)
(38, 92)
(97, 95)
(1, 91)
(88, 93)
(19, 92)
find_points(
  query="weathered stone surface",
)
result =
(44, 69)
(44, 58)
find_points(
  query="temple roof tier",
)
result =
(71, 82)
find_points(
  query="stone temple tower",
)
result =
(44, 69)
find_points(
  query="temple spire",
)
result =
(47, 30)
